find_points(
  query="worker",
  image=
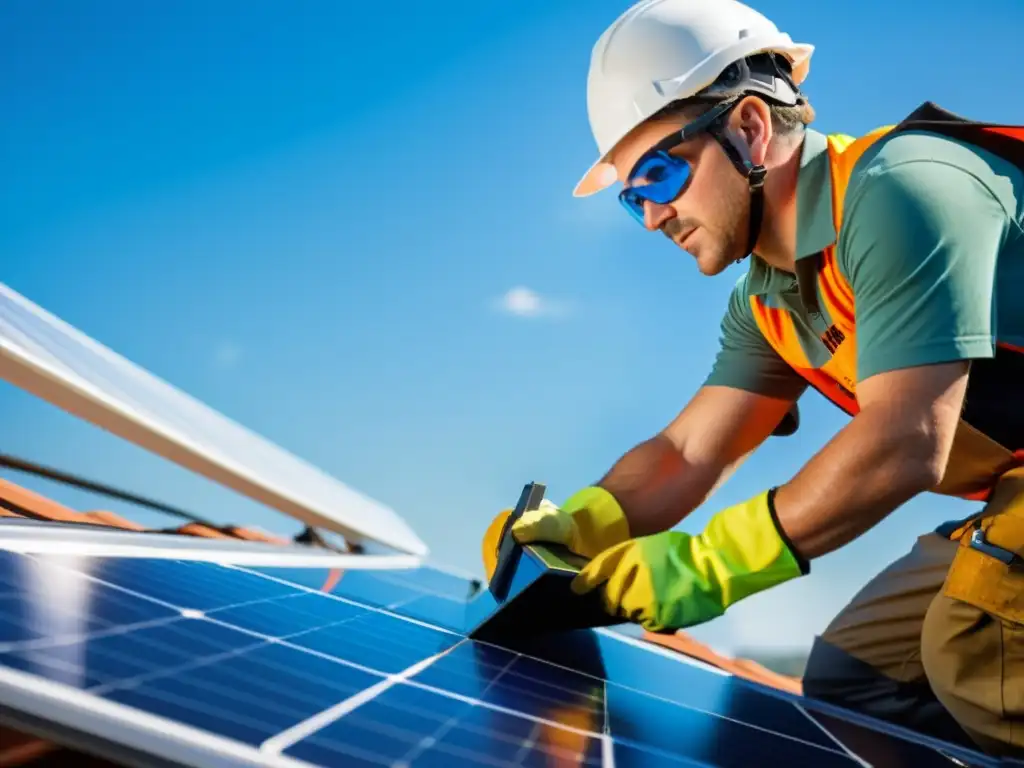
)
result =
(885, 272)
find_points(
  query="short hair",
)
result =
(789, 120)
(786, 120)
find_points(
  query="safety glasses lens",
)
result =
(660, 178)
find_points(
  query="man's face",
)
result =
(709, 218)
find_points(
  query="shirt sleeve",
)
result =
(919, 245)
(745, 360)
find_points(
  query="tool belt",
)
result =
(988, 568)
(987, 571)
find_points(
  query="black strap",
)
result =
(308, 536)
(755, 175)
(21, 465)
(756, 180)
(807, 281)
(935, 119)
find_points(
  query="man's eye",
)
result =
(655, 174)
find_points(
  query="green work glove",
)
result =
(589, 522)
(673, 580)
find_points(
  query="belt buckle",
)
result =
(979, 543)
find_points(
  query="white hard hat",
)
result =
(660, 51)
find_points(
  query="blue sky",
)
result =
(311, 216)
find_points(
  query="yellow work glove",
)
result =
(672, 580)
(590, 521)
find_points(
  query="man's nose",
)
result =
(656, 214)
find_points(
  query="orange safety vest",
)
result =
(836, 379)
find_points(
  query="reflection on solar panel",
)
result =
(80, 541)
(204, 664)
(58, 363)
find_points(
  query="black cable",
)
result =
(21, 465)
(309, 536)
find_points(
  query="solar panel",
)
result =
(49, 358)
(208, 664)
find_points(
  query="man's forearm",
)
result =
(656, 487)
(876, 463)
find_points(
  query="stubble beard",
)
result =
(730, 239)
(719, 246)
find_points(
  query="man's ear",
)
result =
(750, 128)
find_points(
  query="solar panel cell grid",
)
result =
(407, 725)
(264, 659)
(425, 594)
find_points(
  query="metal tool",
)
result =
(509, 550)
(978, 542)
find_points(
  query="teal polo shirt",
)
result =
(931, 243)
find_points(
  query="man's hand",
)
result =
(587, 523)
(672, 580)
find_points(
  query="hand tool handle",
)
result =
(509, 550)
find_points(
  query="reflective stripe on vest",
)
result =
(977, 462)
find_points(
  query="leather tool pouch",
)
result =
(988, 569)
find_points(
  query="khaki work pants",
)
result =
(935, 642)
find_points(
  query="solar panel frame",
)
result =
(118, 732)
(53, 538)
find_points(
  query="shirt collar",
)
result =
(815, 229)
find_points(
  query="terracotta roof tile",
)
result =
(205, 531)
(18, 748)
(18, 501)
(250, 534)
(26, 503)
(103, 517)
(744, 668)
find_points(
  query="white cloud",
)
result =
(227, 355)
(525, 302)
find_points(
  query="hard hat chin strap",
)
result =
(755, 178)
(767, 76)
(755, 175)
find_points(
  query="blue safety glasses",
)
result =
(660, 176)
